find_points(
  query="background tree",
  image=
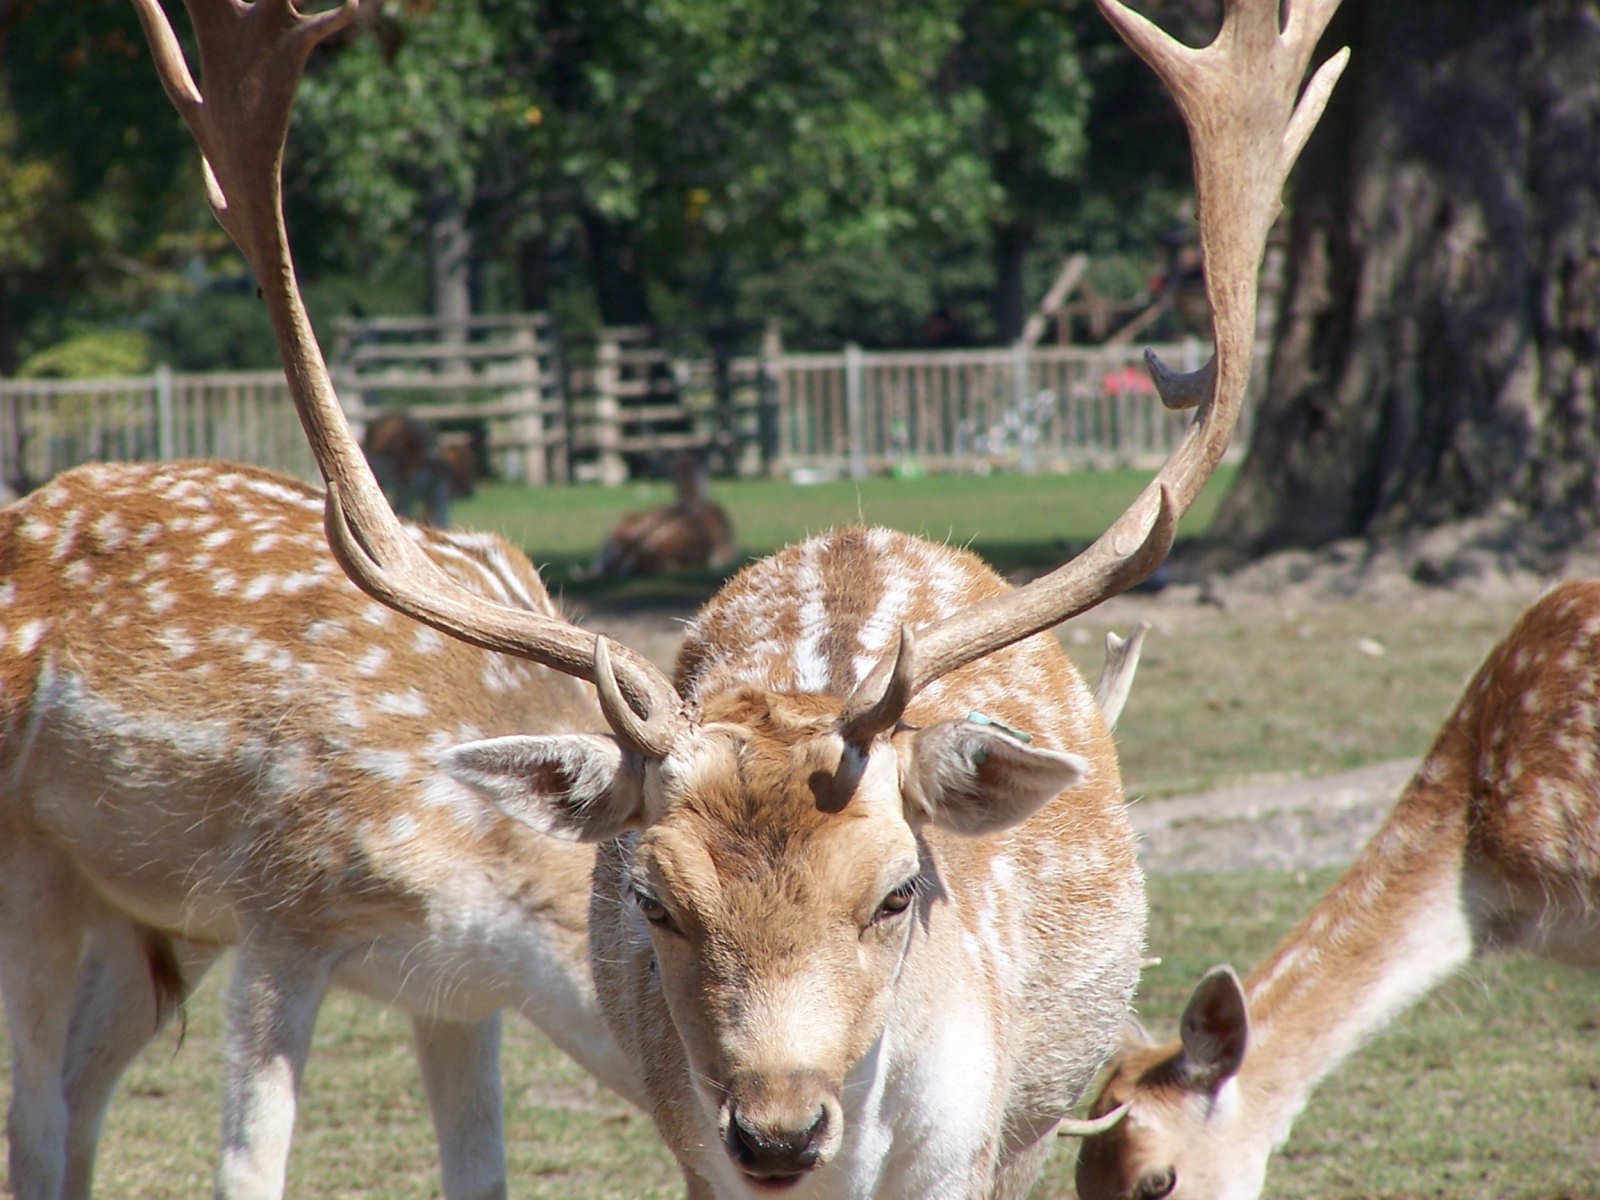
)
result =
(1438, 349)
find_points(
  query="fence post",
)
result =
(608, 410)
(165, 434)
(1026, 433)
(768, 396)
(529, 425)
(855, 410)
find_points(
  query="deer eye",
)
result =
(896, 902)
(1153, 1185)
(651, 909)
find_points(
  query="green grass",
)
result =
(1489, 1088)
(1020, 524)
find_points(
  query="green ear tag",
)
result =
(978, 718)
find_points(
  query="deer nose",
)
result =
(776, 1135)
(776, 1151)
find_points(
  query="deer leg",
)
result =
(273, 999)
(116, 1011)
(461, 1074)
(42, 929)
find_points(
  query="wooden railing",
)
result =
(608, 413)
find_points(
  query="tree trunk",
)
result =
(1009, 250)
(450, 262)
(1438, 347)
(615, 267)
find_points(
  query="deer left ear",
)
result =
(975, 776)
(583, 787)
(1215, 1030)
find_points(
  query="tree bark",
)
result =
(1009, 250)
(1438, 347)
(616, 268)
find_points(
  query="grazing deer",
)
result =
(693, 531)
(1494, 845)
(416, 466)
(866, 913)
(210, 738)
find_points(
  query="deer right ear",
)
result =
(582, 787)
(1215, 1029)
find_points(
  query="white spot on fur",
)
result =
(109, 531)
(260, 586)
(409, 703)
(395, 766)
(372, 663)
(177, 640)
(8, 593)
(28, 635)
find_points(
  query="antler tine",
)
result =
(252, 56)
(1088, 1127)
(869, 713)
(1238, 98)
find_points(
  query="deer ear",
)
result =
(583, 787)
(976, 776)
(1215, 1030)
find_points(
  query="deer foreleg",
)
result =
(272, 1005)
(461, 1074)
(42, 927)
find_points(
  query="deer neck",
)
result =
(1396, 923)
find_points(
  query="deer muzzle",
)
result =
(777, 1128)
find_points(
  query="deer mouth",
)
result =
(768, 1181)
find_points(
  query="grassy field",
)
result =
(1018, 523)
(1489, 1088)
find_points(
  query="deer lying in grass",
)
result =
(867, 915)
(1494, 845)
(693, 531)
(209, 738)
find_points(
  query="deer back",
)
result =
(196, 700)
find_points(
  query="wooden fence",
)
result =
(615, 408)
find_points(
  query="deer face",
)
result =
(781, 880)
(1187, 1134)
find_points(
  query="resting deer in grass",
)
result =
(693, 531)
(210, 738)
(1494, 845)
(866, 912)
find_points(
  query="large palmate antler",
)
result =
(1238, 99)
(1246, 128)
(252, 57)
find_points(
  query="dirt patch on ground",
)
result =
(1281, 823)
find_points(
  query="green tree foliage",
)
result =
(700, 164)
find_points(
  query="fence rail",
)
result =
(853, 412)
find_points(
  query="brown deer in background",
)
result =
(694, 531)
(1494, 845)
(418, 468)
(867, 914)
(209, 738)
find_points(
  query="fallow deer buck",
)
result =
(1493, 845)
(210, 738)
(861, 934)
